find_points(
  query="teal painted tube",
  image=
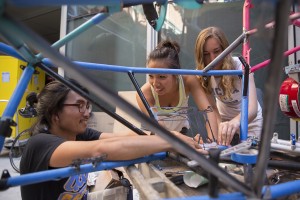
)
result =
(79, 30)
(190, 4)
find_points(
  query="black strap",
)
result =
(125, 183)
(151, 14)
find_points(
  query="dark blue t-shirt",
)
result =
(36, 157)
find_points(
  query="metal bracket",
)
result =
(292, 69)
(3, 181)
(95, 161)
(5, 126)
(237, 148)
(35, 71)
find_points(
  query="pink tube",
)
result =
(296, 23)
(266, 62)
(246, 27)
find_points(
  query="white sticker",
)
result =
(283, 102)
(5, 77)
(35, 80)
(295, 107)
(294, 85)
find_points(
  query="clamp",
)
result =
(94, 160)
(237, 148)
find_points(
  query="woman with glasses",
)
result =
(61, 136)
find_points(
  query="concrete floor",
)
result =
(12, 193)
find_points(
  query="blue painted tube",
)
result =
(244, 158)
(16, 97)
(268, 192)
(56, 174)
(143, 70)
(222, 147)
(156, 70)
(79, 2)
(231, 196)
(8, 50)
(245, 99)
(244, 119)
(282, 190)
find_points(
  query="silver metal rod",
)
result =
(226, 51)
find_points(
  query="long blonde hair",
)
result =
(226, 82)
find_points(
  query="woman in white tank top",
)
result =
(166, 90)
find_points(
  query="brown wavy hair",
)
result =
(226, 82)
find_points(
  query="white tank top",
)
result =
(229, 108)
(171, 117)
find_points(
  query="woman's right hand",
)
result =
(193, 142)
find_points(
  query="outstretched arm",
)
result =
(203, 102)
(116, 148)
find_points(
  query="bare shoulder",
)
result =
(190, 80)
(146, 90)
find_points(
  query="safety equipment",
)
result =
(289, 98)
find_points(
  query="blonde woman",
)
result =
(225, 92)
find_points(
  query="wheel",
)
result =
(17, 148)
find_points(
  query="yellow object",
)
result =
(10, 73)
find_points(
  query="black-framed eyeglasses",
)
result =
(81, 106)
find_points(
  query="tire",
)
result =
(16, 150)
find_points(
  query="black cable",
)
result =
(246, 75)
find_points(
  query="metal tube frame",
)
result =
(20, 37)
(26, 36)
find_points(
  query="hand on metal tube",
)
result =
(227, 130)
(193, 142)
